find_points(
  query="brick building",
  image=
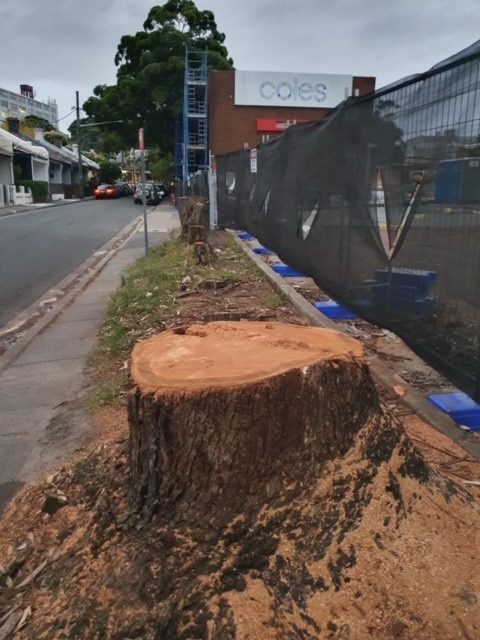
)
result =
(250, 107)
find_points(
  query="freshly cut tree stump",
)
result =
(224, 416)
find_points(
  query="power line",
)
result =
(68, 114)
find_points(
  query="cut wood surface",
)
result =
(220, 354)
(231, 412)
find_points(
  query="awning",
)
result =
(6, 147)
(23, 146)
(86, 162)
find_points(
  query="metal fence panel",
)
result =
(380, 205)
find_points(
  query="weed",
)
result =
(106, 394)
(274, 301)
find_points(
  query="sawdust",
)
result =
(383, 545)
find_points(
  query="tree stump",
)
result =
(193, 213)
(224, 415)
(197, 220)
(183, 203)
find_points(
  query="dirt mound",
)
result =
(380, 546)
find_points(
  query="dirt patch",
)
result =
(383, 544)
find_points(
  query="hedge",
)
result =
(38, 187)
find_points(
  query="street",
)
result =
(41, 247)
(43, 385)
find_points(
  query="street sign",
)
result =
(141, 144)
(253, 161)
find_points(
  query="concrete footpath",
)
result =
(42, 377)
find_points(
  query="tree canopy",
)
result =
(150, 74)
(104, 140)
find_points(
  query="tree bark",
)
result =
(223, 416)
(182, 213)
(197, 220)
(193, 213)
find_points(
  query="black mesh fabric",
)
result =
(380, 205)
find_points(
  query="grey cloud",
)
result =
(61, 46)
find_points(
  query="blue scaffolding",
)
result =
(192, 152)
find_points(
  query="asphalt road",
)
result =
(39, 248)
(43, 380)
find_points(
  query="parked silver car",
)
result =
(151, 194)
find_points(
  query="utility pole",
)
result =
(79, 147)
(79, 141)
(141, 146)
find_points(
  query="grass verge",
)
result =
(149, 298)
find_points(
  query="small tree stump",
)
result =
(183, 203)
(193, 212)
(226, 414)
(197, 220)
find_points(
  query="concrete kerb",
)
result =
(382, 374)
(424, 409)
(304, 308)
(84, 275)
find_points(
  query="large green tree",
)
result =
(103, 139)
(151, 69)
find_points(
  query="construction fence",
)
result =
(380, 205)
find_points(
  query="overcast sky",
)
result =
(64, 46)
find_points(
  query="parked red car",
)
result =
(106, 191)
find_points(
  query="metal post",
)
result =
(144, 200)
(79, 146)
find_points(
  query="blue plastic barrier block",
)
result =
(262, 251)
(333, 310)
(401, 292)
(417, 280)
(245, 236)
(362, 303)
(286, 271)
(460, 407)
(399, 301)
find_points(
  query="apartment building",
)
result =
(20, 105)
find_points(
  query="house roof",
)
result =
(42, 148)
(60, 154)
(54, 153)
(86, 162)
(22, 145)
(6, 147)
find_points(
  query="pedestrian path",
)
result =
(43, 420)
